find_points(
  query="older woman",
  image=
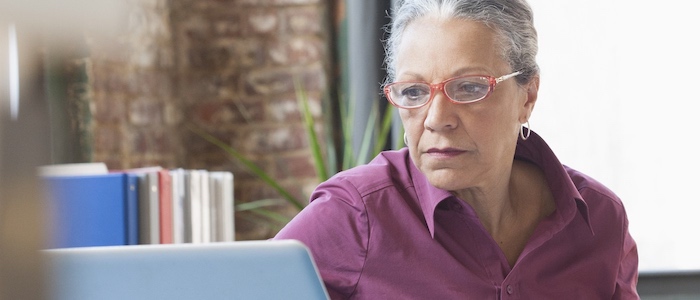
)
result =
(477, 206)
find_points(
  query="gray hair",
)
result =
(511, 19)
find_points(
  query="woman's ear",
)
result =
(531, 89)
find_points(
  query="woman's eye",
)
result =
(414, 93)
(467, 91)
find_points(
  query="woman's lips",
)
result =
(444, 152)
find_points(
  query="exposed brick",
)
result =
(223, 160)
(295, 2)
(195, 29)
(147, 141)
(263, 22)
(314, 78)
(110, 78)
(208, 56)
(275, 140)
(153, 160)
(227, 66)
(309, 187)
(259, 191)
(254, 2)
(144, 111)
(249, 53)
(109, 109)
(279, 52)
(305, 50)
(296, 51)
(284, 109)
(218, 161)
(228, 26)
(269, 82)
(297, 187)
(108, 139)
(172, 113)
(197, 145)
(211, 114)
(251, 226)
(150, 83)
(306, 20)
(196, 87)
(113, 162)
(296, 166)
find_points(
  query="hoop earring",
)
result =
(405, 139)
(523, 135)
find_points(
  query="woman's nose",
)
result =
(441, 113)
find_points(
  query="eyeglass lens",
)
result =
(461, 89)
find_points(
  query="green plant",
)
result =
(324, 167)
(370, 136)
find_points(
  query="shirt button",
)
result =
(509, 289)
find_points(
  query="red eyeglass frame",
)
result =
(493, 81)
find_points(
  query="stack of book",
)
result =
(92, 206)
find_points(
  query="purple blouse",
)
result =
(381, 231)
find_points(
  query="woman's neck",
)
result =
(510, 209)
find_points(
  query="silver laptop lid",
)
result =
(235, 270)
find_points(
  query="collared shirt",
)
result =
(381, 231)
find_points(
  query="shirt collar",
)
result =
(568, 200)
(429, 196)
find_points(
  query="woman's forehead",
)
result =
(448, 47)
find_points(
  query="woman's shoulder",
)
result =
(591, 189)
(389, 168)
(385, 164)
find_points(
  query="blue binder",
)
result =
(92, 210)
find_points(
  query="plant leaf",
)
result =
(263, 219)
(271, 215)
(258, 204)
(347, 114)
(384, 130)
(367, 137)
(309, 123)
(248, 164)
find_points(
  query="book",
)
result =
(149, 208)
(149, 202)
(178, 204)
(132, 209)
(88, 210)
(223, 225)
(215, 217)
(193, 207)
(165, 201)
(73, 169)
(207, 211)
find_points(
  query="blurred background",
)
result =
(618, 101)
(124, 81)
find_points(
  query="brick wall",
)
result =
(136, 112)
(227, 67)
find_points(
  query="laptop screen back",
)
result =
(236, 270)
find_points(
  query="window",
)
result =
(627, 112)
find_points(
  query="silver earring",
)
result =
(405, 139)
(524, 135)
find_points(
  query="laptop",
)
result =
(232, 270)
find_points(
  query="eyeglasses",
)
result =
(463, 89)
